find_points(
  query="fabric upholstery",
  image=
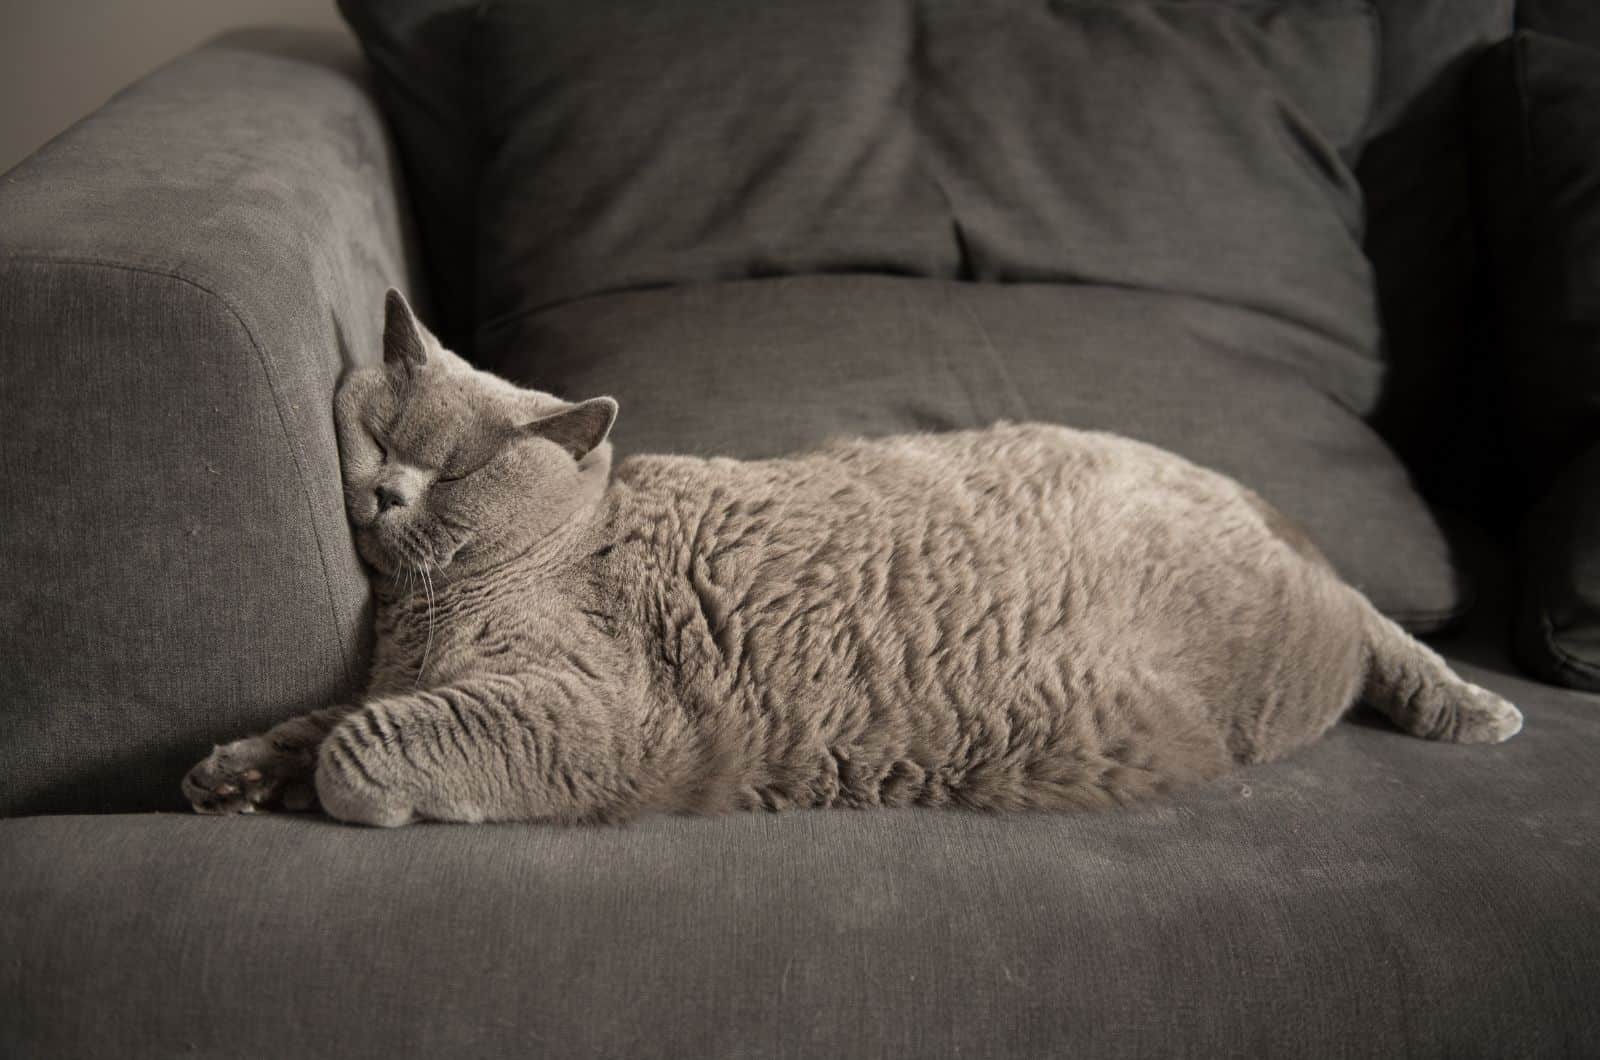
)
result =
(759, 368)
(639, 144)
(974, 148)
(1413, 174)
(170, 330)
(1376, 895)
(183, 276)
(1538, 131)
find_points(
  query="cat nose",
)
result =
(389, 497)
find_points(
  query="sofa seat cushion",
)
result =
(763, 367)
(1374, 895)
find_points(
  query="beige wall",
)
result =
(60, 59)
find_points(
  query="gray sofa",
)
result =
(183, 277)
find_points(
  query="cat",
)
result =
(1021, 617)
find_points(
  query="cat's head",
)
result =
(446, 466)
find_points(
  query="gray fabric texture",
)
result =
(1212, 209)
(182, 277)
(758, 368)
(1413, 177)
(1376, 895)
(637, 144)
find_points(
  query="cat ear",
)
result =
(577, 428)
(404, 340)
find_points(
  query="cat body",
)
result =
(1023, 617)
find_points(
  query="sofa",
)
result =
(186, 273)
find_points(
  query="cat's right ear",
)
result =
(404, 337)
(580, 428)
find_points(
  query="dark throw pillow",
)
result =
(1538, 136)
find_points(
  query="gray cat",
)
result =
(1025, 617)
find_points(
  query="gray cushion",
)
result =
(638, 144)
(757, 368)
(1376, 895)
(1196, 235)
(183, 277)
(1413, 174)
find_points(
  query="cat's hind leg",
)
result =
(269, 771)
(1418, 691)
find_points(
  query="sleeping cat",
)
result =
(1020, 617)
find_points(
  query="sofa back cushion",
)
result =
(1195, 148)
(1413, 173)
(1166, 185)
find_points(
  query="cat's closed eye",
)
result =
(460, 467)
(468, 459)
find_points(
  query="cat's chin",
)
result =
(377, 553)
(372, 553)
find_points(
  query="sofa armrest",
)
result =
(183, 277)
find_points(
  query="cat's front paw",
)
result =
(352, 773)
(1483, 717)
(249, 775)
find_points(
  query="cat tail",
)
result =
(1416, 689)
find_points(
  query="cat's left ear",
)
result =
(579, 428)
(404, 339)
